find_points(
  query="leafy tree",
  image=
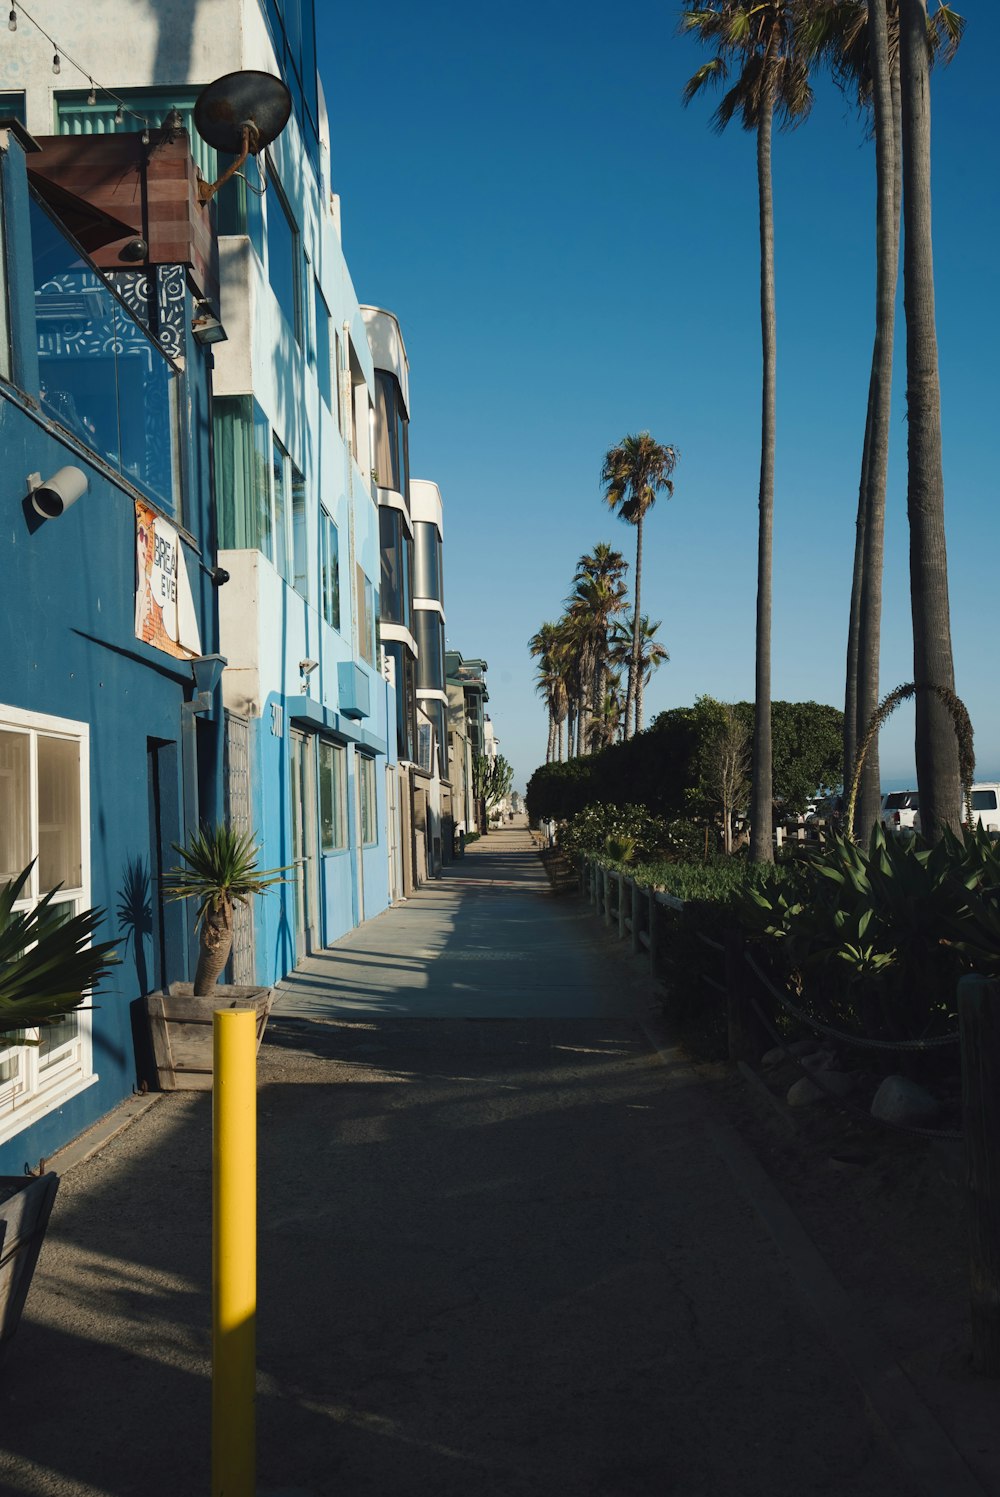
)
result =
(491, 779)
(757, 40)
(633, 474)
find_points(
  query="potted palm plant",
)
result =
(49, 963)
(219, 871)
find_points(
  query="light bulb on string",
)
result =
(119, 116)
(92, 96)
(56, 63)
(145, 135)
(12, 20)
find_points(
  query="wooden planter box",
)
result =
(25, 1206)
(180, 1026)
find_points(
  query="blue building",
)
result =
(305, 697)
(111, 724)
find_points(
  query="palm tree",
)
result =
(633, 474)
(860, 38)
(599, 594)
(933, 665)
(651, 655)
(758, 38)
(547, 646)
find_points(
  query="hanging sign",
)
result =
(164, 606)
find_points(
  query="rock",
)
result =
(820, 1060)
(804, 1091)
(802, 1047)
(773, 1057)
(900, 1100)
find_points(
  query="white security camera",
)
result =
(308, 666)
(53, 497)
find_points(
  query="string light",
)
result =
(58, 54)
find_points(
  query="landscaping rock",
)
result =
(820, 1060)
(805, 1091)
(900, 1100)
(782, 1052)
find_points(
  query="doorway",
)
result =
(305, 858)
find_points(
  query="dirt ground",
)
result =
(887, 1211)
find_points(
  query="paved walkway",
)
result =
(500, 1258)
(488, 940)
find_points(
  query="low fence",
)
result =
(632, 909)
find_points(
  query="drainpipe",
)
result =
(347, 400)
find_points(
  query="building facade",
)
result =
(306, 703)
(111, 721)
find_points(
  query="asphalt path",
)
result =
(500, 1253)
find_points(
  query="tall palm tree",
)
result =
(633, 474)
(544, 646)
(651, 654)
(598, 596)
(757, 39)
(936, 745)
(860, 38)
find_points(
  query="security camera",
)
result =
(51, 498)
(308, 666)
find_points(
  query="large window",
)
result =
(44, 816)
(331, 569)
(392, 453)
(242, 479)
(293, 32)
(396, 565)
(368, 803)
(366, 615)
(428, 631)
(284, 257)
(332, 796)
(428, 581)
(321, 320)
(300, 549)
(101, 376)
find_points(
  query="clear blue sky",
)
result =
(573, 256)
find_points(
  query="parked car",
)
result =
(900, 811)
(984, 805)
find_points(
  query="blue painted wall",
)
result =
(70, 651)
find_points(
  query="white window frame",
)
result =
(32, 1094)
(328, 565)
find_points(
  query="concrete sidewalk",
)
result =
(488, 940)
(501, 1257)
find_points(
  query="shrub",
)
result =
(600, 827)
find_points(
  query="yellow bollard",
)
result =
(234, 1252)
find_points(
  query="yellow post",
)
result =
(234, 1252)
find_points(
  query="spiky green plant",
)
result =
(221, 871)
(49, 962)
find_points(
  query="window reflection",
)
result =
(100, 376)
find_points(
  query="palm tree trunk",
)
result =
(559, 741)
(852, 732)
(633, 664)
(761, 839)
(215, 944)
(936, 746)
(639, 687)
(889, 179)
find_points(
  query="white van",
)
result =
(985, 806)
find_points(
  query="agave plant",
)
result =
(49, 962)
(220, 871)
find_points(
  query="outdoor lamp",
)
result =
(53, 497)
(207, 671)
(206, 326)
